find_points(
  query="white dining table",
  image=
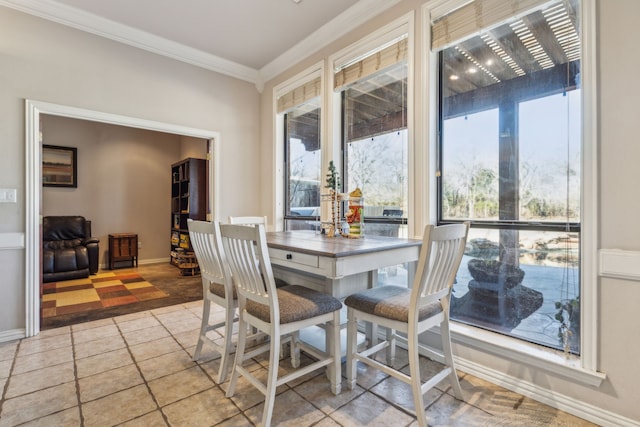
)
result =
(337, 265)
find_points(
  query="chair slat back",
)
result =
(248, 258)
(440, 257)
(248, 220)
(207, 244)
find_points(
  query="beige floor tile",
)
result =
(447, 411)
(369, 410)
(118, 407)
(153, 349)
(8, 350)
(317, 390)
(91, 325)
(87, 335)
(103, 362)
(132, 316)
(139, 323)
(5, 368)
(99, 346)
(400, 394)
(180, 326)
(41, 360)
(55, 332)
(239, 420)
(167, 309)
(38, 344)
(289, 409)
(246, 395)
(67, 418)
(166, 364)
(207, 408)
(105, 383)
(39, 404)
(187, 339)
(175, 316)
(145, 335)
(153, 419)
(40, 379)
(180, 385)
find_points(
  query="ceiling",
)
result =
(252, 40)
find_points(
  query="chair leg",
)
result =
(352, 331)
(416, 382)
(295, 349)
(391, 347)
(272, 377)
(206, 309)
(335, 369)
(238, 361)
(448, 357)
(226, 353)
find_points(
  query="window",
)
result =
(510, 161)
(375, 137)
(302, 155)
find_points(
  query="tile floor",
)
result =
(136, 370)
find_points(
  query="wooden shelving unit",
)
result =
(188, 200)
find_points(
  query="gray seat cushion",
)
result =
(296, 303)
(391, 302)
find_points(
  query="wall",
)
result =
(44, 61)
(616, 399)
(124, 180)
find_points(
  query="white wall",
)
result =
(44, 61)
(619, 344)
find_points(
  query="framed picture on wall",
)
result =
(59, 166)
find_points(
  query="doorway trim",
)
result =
(33, 183)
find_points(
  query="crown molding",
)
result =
(350, 19)
(102, 27)
(356, 15)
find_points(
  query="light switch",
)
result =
(8, 195)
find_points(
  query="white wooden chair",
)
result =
(216, 287)
(277, 312)
(411, 312)
(248, 220)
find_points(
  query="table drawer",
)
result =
(280, 257)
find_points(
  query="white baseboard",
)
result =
(12, 334)
(556, 400)
(142, 262)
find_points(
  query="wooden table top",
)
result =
(319, 244)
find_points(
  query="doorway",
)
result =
(33, 183)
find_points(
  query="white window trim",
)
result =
(374, 41)
(305, 76)
(583, 369)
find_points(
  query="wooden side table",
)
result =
(123, 247)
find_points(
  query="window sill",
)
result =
(532, 355)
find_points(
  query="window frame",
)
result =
(402, 26)
(281, 190)
(582, 369)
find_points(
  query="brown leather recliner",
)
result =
(69, 251)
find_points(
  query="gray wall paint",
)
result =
(44, 61)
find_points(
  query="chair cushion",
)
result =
(218, 289)
(296, 303)
(391, 302)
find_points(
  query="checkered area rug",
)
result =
(108, 289)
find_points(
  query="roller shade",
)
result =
(299, 95)
(476, 16)
(372, 63)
